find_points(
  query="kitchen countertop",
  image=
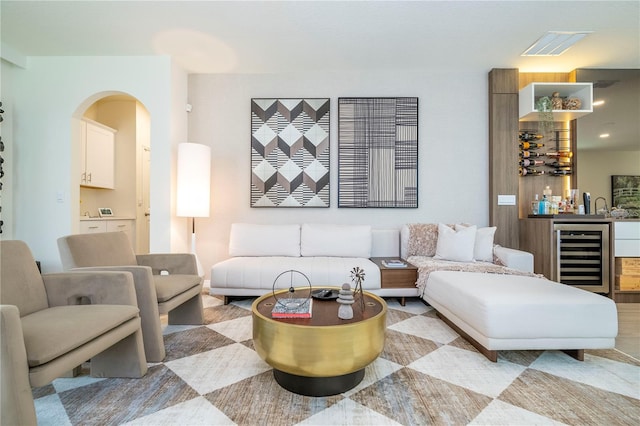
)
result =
(88, 218)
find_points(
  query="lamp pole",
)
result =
(193, 187)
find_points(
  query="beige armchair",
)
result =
(52, 323)
(164, 283)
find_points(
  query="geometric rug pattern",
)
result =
(378, 152)
(427, 374)
(290, 152)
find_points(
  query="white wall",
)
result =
(597, 167)
(452, 133)
(43, 98)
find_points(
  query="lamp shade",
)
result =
(194, 180)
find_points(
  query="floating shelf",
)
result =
(531, 93)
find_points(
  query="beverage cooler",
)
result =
(581, 253)
(570, 249)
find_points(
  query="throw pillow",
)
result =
(422, 239)
(455, 245)
(483, 247)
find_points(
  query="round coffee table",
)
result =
(322, 355)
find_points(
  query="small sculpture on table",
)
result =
(345, 299)
(357, 276)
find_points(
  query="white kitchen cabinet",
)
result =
(627, 238)
(97, 155)
(93, 225)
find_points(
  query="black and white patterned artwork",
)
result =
(378, 152)
(290, 152)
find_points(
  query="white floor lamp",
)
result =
(193, 187)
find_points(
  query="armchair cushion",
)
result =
(53, 332)
(173, 263)
(169, 286)
(99, 249)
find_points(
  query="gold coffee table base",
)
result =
(322, 355)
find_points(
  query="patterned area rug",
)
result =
(427, 374)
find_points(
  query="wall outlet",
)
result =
(506, 200)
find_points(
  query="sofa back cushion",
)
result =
(264, 240)
(335, 240)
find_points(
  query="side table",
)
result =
(396, 277)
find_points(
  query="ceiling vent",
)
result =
(555, 43)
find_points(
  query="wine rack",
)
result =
(545, 155)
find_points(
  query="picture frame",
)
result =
(105, 212)
(625, 194)
(378, 152)
(290, 155)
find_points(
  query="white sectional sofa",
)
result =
(326, 254)
(498, 308)
(487, 293)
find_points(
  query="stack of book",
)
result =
(292, 308)
(394, 263)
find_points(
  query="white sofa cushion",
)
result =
(483, 248)
(455, 244)
(335, 240)
(520, 312)
(247, 239)
(259, 273)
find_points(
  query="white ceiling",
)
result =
(285, 36)
(295, 36)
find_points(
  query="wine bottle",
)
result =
(528, 171)
(567, 154)
(526, 162)
(527, 154)
(558, 164)
(526, 136)
(559, 172)
(530, 145)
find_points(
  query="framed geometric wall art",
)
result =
(378, 152)
(290, 152)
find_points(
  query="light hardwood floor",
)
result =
(628, 340)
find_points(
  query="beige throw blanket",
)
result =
(426, 265)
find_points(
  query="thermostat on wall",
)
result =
(105, 211)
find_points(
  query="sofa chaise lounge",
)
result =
(498, 308)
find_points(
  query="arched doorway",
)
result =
(113, 133)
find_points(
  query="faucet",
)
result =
(606, 208)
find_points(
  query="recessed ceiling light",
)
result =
(604, 135)
(555, 43)
(598, 102)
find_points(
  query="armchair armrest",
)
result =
(515, 259)
(17, 400)
(174, 263)
(95, 287)
(142, 281)
(147, 298)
